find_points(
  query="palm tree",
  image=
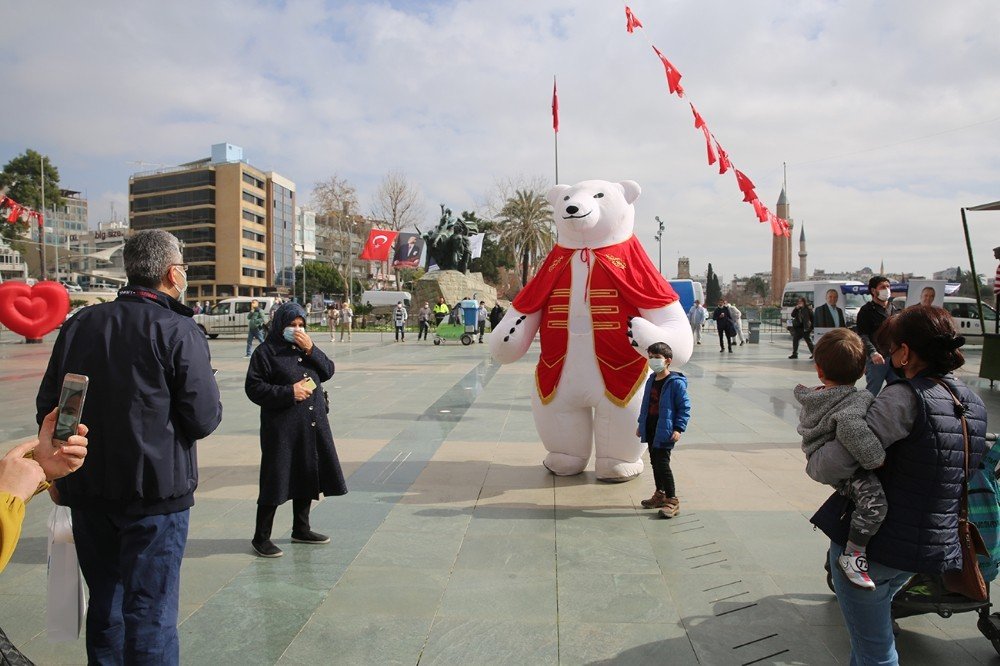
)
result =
(526, 226)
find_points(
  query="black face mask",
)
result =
(898, 369)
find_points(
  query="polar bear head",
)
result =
(594, 213)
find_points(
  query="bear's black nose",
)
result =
(572, 210)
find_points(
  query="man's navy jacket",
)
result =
(152, 394)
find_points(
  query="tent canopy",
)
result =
(990, 206)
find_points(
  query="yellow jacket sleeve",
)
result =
(11, 517)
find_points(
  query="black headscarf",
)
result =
(283, 317)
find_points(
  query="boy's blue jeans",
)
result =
(868, 613)
(132, 565)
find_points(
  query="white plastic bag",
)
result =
(66, 605)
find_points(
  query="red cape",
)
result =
(621, 280)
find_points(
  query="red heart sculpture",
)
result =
(33, 311)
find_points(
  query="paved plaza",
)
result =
(455, 546)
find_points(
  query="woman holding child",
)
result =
(916, 419)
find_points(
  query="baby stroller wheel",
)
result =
(466, 339)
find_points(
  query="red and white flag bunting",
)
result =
(714, 150)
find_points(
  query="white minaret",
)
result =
(803, 274)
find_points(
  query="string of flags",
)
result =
(715, 152)
(13, 212)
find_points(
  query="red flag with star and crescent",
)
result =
(380, 243)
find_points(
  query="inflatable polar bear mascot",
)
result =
(599, 303)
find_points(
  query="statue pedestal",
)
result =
(454, 286)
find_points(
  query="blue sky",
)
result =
(888, 114)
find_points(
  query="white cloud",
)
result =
(857, 97)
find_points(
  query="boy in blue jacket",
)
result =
(663, 416)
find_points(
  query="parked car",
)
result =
(230, 315)
(71, 287)
(963, 311)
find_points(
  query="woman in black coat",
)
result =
(298, 458)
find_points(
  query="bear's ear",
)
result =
(631, 190)
(557, 193)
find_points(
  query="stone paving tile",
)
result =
(491, 641)
(605, 643)
(389, 640)
(615, 598)
(528, 596)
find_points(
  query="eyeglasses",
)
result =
(183, 266)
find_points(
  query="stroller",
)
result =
(926, 594)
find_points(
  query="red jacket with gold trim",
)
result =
(620, 280)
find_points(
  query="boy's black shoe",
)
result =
(794, 356)
(310, 537)
(266, 548)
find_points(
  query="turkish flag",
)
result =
(380, 243)
(555, 106)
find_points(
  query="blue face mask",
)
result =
(289, 332)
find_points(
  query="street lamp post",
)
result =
(659, 242)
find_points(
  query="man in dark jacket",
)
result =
(724, 324)
(802, 327)
(871, 316)
(151, 396)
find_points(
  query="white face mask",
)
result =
(657, 365)
(883, 294)
(180, 289)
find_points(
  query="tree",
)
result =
(397, 203)
(967, 286)
(757, 285)
(713, 292)
(22, 178)
(526, 226)
(320, 278)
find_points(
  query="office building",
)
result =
(236, 222)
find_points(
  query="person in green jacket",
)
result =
(255, 329)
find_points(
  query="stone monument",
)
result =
(449, 247)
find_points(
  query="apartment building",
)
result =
(236, 222)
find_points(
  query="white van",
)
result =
(380, 298)
(230, 315)
(963, 311)
(806, 289)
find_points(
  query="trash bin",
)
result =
(754, 336)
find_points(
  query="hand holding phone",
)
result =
(74, 392)
(309, 383)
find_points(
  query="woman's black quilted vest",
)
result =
(922, 478)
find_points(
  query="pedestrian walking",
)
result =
(697, 316)
(802, 327)
(724, 324)
(255, 326)
(496, 314)
(737, 317)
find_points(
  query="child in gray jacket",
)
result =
(836, 410)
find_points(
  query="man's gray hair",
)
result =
(148, 255)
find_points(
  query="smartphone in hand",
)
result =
(74, 392)
(310, 384)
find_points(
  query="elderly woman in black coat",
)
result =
(298, 458)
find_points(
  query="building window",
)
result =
(253, 199)
(176, 200)
(192, 254)
(252, 235)
(201, 235)
(201, 273)
(174, 181)
(250, 180)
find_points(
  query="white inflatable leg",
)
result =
(618, 450)
(567, 434)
